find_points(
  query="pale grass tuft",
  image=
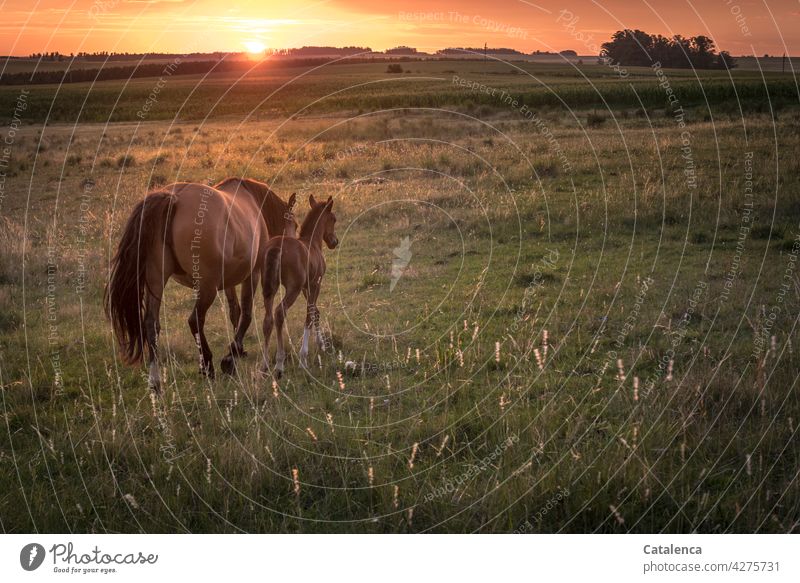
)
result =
(445, 439)
(545, 343)
(620, 370)
(539, 361)
(503, 402)
(414, 449)
(617, 515)
(296, 481)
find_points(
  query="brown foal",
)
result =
(299, 265)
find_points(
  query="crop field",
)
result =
(565, 305)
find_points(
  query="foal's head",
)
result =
(320, 222)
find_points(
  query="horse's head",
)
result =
(327, 220)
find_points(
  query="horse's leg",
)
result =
(280, 318)
(152, 329)
(156, 276)
(312, 322)
(269, 295)
(197, 321)
(236, 348)
(314, 295)
(234, 310)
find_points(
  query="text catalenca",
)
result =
(671, 550)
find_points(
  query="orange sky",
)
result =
(181, 26)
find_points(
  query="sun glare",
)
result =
(254, 47)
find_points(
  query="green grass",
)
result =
(367, 87)
(453, 426)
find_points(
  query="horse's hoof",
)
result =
(228, 365)
(278, 374)
(208, 372)
(236, 350)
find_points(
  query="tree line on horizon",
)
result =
(636, 48)
(628, 48)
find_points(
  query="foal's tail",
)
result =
(272, 270)
(124, 296)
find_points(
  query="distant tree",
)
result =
(725, 61)
(394, 68)
(402, 50)
(637, 48)
(702, 52)
(629, 47)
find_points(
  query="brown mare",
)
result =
(298, 264)
(207, 238)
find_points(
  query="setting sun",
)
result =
(254, 47)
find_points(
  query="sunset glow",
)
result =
(204, 26)
(254, 47)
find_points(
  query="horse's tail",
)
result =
(125, 292)
(272, 270)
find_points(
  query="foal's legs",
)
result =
(312, 324)
(197, 321)
(280, 318)
(236, 348)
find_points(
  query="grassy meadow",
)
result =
(573, 316)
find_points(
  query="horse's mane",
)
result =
(273, 208)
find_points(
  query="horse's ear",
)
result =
(292, 200)
(329, 204)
